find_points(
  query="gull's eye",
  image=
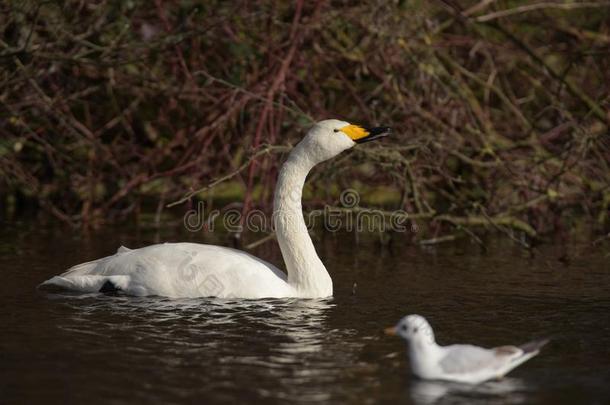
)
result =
(404, 327)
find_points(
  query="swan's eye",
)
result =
(404, 327)
(414, 330)
(335, 130)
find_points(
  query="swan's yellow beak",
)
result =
(360, 134)
(390, 331)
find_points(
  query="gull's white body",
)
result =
(195, 270)
(460, 363)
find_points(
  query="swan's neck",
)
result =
(306, 273)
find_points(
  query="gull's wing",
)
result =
(461, 359)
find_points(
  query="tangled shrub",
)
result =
(500, 109)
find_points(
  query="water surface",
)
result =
(97, 348)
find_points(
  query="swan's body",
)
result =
(179, 270)
(196, 270)
(459, 363)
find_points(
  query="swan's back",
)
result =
(178, 270)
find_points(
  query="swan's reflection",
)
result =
(239, 345)
(298, 323)
(435, 392)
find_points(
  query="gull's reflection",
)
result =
(436, 392)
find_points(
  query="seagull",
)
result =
(458, 363)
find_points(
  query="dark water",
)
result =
(114, 349)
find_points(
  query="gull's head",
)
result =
(328, 138)
(413, 328)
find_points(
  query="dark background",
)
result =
(114, 109)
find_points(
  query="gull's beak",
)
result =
(360, 134)
(390, 331)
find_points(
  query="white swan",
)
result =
(196, 270)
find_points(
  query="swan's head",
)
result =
(413, 329)
(328, 138)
